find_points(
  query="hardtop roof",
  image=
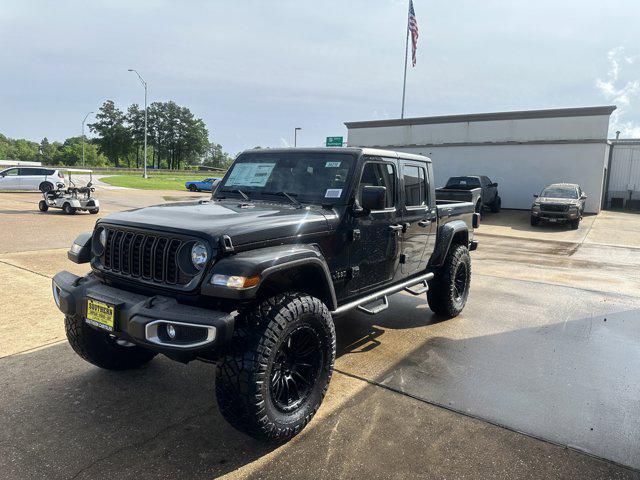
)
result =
(345, 150)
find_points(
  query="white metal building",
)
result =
(623, 183)
(522, 151)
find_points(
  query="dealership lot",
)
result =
(549, 345)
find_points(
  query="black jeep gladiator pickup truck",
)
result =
(252, 279)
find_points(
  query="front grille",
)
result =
(554, 208)
(153, 258)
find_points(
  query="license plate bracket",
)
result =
(101, 315)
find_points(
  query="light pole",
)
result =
(295, 136)
(83, 122)
(144, 84)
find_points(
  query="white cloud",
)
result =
(620, 92)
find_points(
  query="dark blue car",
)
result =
(202, 185)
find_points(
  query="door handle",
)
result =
(396, 228)
(424, 223)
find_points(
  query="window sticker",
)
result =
(333, 193)
(332, 164)
(250, 174)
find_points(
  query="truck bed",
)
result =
(471, 195)
(449, 210)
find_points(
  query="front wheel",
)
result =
(42, 206)
(100, 349)
(449, 289)
(575, 224)
(275, 373)
(193, 188)
(535, 221)
(496, 205)
(93, 211)
(68, 209)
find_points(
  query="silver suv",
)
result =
(31, 178)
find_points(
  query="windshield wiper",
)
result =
(285, 194)
(236, 190)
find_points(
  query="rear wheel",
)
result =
(535, 221)
(100, 349)
(449, 289)
(45, 187)
(277, 368)
(42, 206)
(93, 211)
(193, 188)
(68, 209)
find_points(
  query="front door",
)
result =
(419, 218)
(10, 180)
(375, 251)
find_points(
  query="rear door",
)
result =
(375, 256)
(10, 179)
(31, 178)
(419, 217)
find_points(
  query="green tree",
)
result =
(216, 157)
(114, 137)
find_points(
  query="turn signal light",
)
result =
(235, 281)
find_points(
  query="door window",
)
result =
(379, 174)
(415, 186)
(11, 173)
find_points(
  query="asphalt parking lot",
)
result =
(536, 379)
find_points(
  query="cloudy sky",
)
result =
(254, 70)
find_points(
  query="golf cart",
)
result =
(72, 198)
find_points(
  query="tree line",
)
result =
(175, 137)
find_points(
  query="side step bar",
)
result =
(361, 302)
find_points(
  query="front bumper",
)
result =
(555, 216)
(142, 319)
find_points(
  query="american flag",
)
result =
(413, 28)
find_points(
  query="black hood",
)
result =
(244, 223)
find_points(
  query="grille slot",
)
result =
(139, 255)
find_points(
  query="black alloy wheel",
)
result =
(295, 369)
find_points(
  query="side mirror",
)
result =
(583, 196)
(373, 198)
(495, 184)
(535, 195)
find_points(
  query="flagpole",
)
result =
(406, 56)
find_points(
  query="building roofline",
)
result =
(484, 117)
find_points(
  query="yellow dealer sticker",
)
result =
(100, 314)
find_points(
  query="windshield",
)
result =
(320, 178)
(463, 182)
(559, 192)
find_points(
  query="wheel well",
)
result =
(460, 238)
(305, 278)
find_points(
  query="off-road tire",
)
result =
(193, 188)
(68, 209)
(444, 296)
(45, 187)
(42, 206)
(575, 224)
(535, 221)
(246, 396)
(100, 349)
(496, 205)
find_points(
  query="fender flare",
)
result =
(443, 242)
(266, 262)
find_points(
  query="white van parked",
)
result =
(31, 178)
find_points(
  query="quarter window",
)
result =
(378, 174)
(415, 188)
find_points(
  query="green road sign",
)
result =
(334, 141)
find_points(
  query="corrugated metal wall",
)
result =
(624, 177)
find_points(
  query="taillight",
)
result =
(60, 174)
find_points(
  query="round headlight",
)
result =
(199, 255)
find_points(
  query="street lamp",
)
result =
(144, 84)
(295, 136)
(83, 122)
